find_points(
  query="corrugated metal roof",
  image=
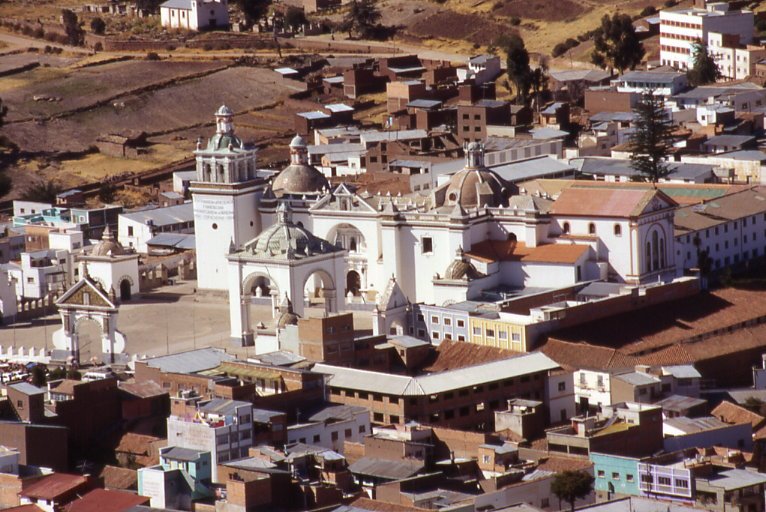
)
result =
(27, 389)
(163, 216)
(378, 382)
(175, 240)
(387, 469)
(177, 4)
(222, 406)
(191, 361)
(183, 454)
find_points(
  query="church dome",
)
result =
(286, 239)
(224, 137)
(475, 185)
(460, 269)
(223, 110)
(299, 177)
(108, 246)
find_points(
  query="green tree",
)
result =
(38, 376)
(295, 17)
(571, 485)
(650, 142)
(98, 26)
(74, 32)
(704, 69)
(616, 45)
(362, 17)
(43, 191)
(106, 192)
(517, 64)
(253, 9)
(539, 82)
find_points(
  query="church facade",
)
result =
(291, 237)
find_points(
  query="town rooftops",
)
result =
(376, 136)
(222, 406)
(177, 4)
(54, 487)
(182, 454)
(508, 250)
(681, 371)
(163, 216)
(720, 210)
(386, 469)
(653, 77)
(102, 500)
(424, 103)
(637, 378)
(694, 425)
(607, 202)
(378, 382)
(27, 389)
(183, 241)
(729, 140)
(334, 413)
(744, 155)
(733, 479)
(588, 75)
(316, 114)
(191, 361)
(680, 403)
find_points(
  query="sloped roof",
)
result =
(507, 250)
(54, 486)
(733, 413)
(606, 202)
(387, 469)
(102, 500)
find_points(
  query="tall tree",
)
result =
(517, 64)
(253, 9)
(362, 17)
(571, 485)
(98, 25)
(43, 191)
(704, 68)
(74, 32)
(651, 141)
(616, 45)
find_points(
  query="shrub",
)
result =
(38, 33)
(559, 50)
(207, 47)
(648, 11)
(571, 43)
(152, 56)
(515, 21)
(98, 47)
(669, 3)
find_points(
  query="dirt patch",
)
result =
(475, 28)
(542, 10)
(71, 89)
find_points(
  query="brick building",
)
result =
(461, 398)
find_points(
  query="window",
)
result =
(684, 484)
(502, 335)
(617, 230)
(615, 475)
(130, 230)
(362, 429)
(477, 331)
(490, 333)
(377, 416)
(565, 228)
(347, 433)
(663, 480)
(591, 229)
(461, 323)
(427, 245)
(393, 418)
(562, 386)
(434, 319)
(601, 473)
(334, 436)
(629, 477)
(377, 397)
(516, 336)
(435, 335)
(316, 438)
(447, 321)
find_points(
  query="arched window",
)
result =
(591, 229)
(617, 230)
(662, 253)
(565, 228)
(352, 244)
(648, 256)
(655, 250)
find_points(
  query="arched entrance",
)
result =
(125, 293)
(353, 283)
(319, 292)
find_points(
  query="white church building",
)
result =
(293, 238)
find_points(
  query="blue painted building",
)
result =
(615, 476)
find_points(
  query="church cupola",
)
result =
(299, 151)
(225, 158)
(474, 156)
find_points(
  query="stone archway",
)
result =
(125, 293)
(88, 301)
(319, 290)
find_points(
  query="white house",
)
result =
(331, 427)
(195, 14)
(137, 228)
(681, 28)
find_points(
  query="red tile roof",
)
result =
(606, 202)
(119, 478)
(101, 500)
(508, 250)
(733, 413)
(55, 487)
(381, 506)
(451, 354)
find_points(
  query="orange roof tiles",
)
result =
(508, 250)
(733, 413)
(55, 487)
(450, 355)
(101, 500)
(603, 202)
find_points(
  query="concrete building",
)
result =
(195, 14)
(681, 28)
(137, 228)
(331, 427)
(222, 427)
(182, 476)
